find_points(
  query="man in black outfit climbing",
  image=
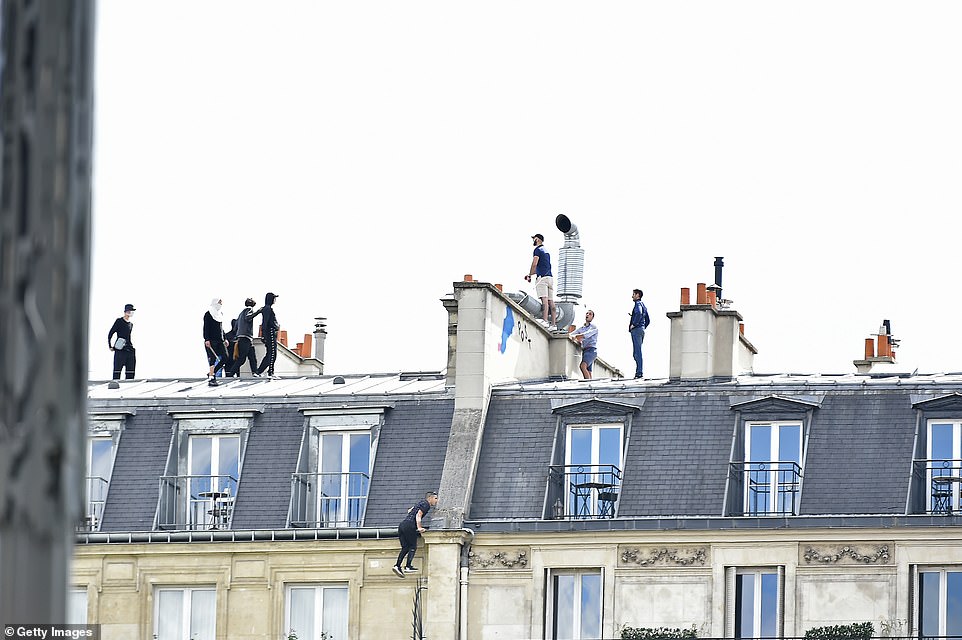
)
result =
(125, 356)
(269, 327)
(409, 530)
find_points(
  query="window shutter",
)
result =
(780, 604)
(729, 602)
(913, 601)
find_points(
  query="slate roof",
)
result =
(860, 445)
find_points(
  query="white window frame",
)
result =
(95, 509)
(594, 506)
(916, 612)
(579, 574)
(954, 468)
(774, 447)
(731, 575)
(221, 507)
(319, 592)
(342, 519)
(187, 594)
(77, 604)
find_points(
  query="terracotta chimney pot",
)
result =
(711, 298)
(741, 328)
(499, 288)
(468, 277)
(282, 337)
(685, 295)
(701, 295)
(869, 348)
(308, 349)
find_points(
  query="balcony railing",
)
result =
(320, 500)
(583, 491)
(936, 486)
(765, 488)
(96, 498)
(196, 502)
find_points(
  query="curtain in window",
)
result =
(301, 614)
(202, 622)
(170, 611)
(335, 612)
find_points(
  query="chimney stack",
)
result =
(878, 350)
(320, 334)
(707, 338)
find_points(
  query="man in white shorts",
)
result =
(544, 282)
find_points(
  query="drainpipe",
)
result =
(463, 599)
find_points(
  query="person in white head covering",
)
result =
(214, 342)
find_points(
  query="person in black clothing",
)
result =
(245, 339)
(231, 337)
(408, 531)
(214, 342)
(269, 327)
(125, 356)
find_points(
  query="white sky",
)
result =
(358, 157)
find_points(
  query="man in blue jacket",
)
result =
(636, 327)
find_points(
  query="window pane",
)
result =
(609, 446)
(745, 605)
(335, 613)
(360, 453)
(580, 452)
(228, 457)
(790, 443)
(941, 446)
(761, 443)
(77, 606)
(101, 457)
(564, 607)
(331, 444)
(953, 603)
(302, 611)
(591, 605)
(202, 623)
(200, 448)
(170, 611)
(929, 603)
(769, 604)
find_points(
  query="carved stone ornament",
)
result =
(847, 554)
(503, 559)
(665, 556)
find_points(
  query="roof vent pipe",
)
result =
(719, 263)
(571, 261)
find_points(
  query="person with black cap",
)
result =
(244, 347)
(269, 327)
(544, 282)
(125, 356)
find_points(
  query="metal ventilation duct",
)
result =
(571, 261)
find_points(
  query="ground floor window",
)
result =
(77, 606)
(575, 604)
(316, 609)
(754, 602)
(939, 597)
(182, 612)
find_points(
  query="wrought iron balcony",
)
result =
(583, 491)
(96, 498)
(936, 486)
(765, 488)
(196, 502)
(321, 500)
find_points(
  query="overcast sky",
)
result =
(358, 157)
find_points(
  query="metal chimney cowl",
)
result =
(571, 261)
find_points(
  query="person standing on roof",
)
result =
(544, 282)
(125, 356)
(214, 342)
(245, 340)
(587, 337)
(408, 532)
(636, 327)
(269, 328)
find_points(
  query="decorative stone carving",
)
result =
(664, 556)
(847, 554)
(500, 559)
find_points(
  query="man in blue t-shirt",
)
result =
(544, 282)
(408, 531)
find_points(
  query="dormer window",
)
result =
(203, 473)
(585, 480)
(768, 456)
(103, 436)
(330, 486)
(937, 469)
